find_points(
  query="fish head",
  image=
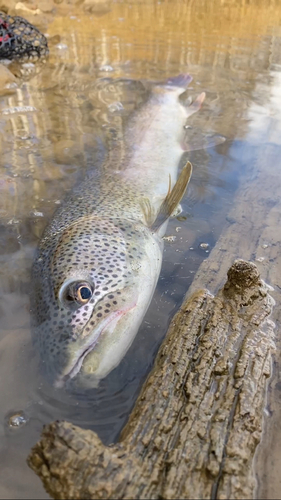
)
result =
(91, 289)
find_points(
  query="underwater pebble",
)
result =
(37, 214)
(20, 6)
(28, 65)
(265, 245)
(13, 221)
(12, 85)
(24, 137)
(62, 46)
(204, 246)
(18, 109)
(169, 238)
(106, 67)
(115, 106)
(259, 259)
(17, 420)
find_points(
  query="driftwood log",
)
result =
(198, 420)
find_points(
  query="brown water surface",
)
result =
(101, 54)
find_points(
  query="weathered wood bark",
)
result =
(197, 422)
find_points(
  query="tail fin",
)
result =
(195, 105)
(181, 81)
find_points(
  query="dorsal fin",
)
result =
(170, 202)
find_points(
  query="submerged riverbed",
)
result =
(59, 121)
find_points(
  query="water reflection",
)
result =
(76, 112)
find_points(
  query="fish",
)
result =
(99, 259)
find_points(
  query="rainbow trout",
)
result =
(99, 259)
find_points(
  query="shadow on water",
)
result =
(103, 55)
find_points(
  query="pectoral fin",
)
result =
(172, 199)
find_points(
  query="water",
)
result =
(60, 122)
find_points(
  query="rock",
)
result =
(8, 81)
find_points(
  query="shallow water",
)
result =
(102, 55)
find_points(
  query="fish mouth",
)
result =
(76, 364)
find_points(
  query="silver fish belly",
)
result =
(99, 260)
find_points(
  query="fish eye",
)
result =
(76, 293)
(84, 293)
